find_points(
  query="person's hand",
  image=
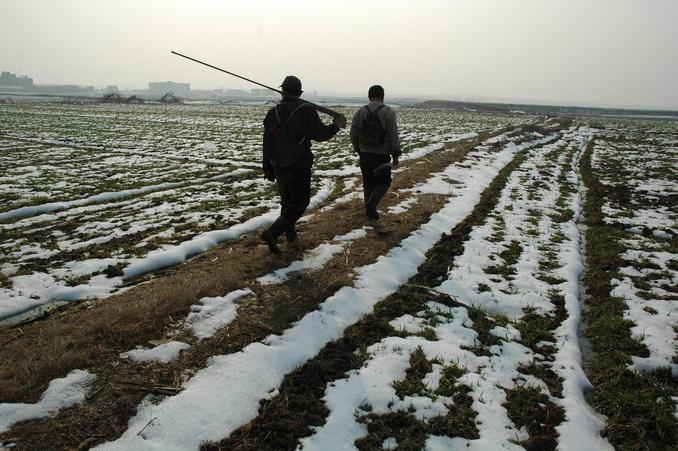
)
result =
(339, 121)
(396, 162)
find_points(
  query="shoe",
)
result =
(372, 212)
(271, 242)
(291, 235)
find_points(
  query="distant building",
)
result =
(65, 89)
(163, 87)
(237, 93)
(258, 92)
(112, 89)
(10, 80)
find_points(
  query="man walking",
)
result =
(374, 135)
(289, 128)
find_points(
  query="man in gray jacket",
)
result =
(374, 135)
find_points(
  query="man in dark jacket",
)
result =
(374, 135)
(289, 128)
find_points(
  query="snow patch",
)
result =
(60, 394)
(162, 353)
(214, 313)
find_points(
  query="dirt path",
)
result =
(91, 335)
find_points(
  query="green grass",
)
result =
(528, 407)
(482, 325)
(413, 385)
(510, 256)
(637, 420)
(5, 282)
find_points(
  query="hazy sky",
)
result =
(591, 52)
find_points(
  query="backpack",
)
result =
(372, 133)
(289, 148)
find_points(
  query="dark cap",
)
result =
(292, 85)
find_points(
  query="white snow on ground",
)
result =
(164, 353)
(60, 394)
(487, 377)
(175, 255)
(62, 215)
(389, 359)
(654, 321)
(214, 313)
(390, 443)
(314, 259)
(582, 425)
(33, 290)
(106, 197)
(411, 155)
(403, 206)
(647, 283)
(129, 224)
(85, 267)
(197, 413)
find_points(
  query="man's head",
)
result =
(375, 92)
(291, 85)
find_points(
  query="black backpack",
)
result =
(372, 133)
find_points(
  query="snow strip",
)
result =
(175, 255)
(649, 365)
(106, 197)
(60, 394)
(389, 360)
(582, 426)
(32, 291)
(162, 353)
(314, 259)
(489, 377)
(214, 313)
(351, 169)
(226, 394)
(35, 290)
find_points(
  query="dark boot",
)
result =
(366, 195)
(270, 236)
(371, 212)
(271, 242)
(377, 193)
(375, 196)
(291, 234)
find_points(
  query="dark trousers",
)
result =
(376, 184)
(294, 187)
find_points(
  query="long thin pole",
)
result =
(317, 107)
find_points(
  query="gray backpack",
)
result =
(372, 133)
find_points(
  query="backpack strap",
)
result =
(367, 107)
(303, 138)
(295, 110)
(277, 116)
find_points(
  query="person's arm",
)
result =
(317, 130)
(354, 133)
(266, 165)
(393, 137)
